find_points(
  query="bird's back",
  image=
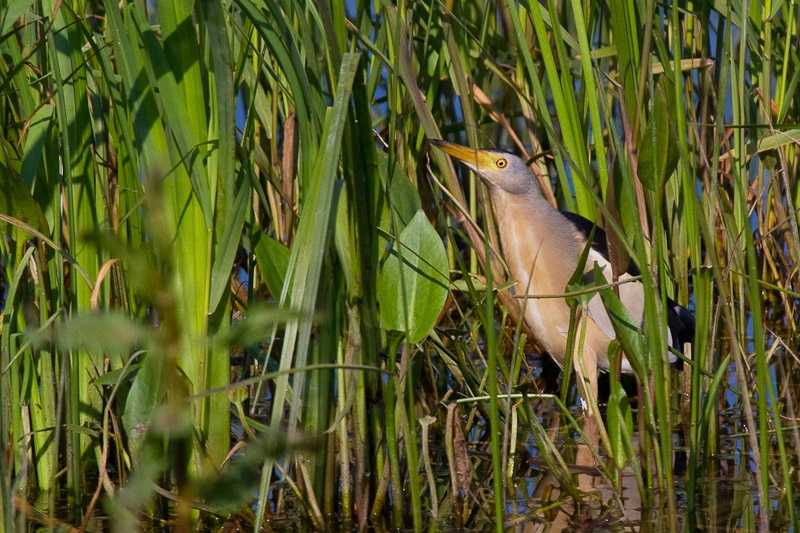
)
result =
(542, 247)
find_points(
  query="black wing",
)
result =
(599, 244)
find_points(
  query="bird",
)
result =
(542, 247)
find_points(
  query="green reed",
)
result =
(190, 183)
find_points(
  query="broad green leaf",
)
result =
(176, 114)
(658, 150)
(411, 293)
(273, 262)
(403, 195)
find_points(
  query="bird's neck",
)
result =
(516, 216)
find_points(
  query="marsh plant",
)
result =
(239, 289)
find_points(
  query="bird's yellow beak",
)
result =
(473, 158)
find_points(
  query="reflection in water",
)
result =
(573, 490)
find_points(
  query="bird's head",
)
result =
(499, 168)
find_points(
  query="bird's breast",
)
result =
(542, 248)
(536, 267)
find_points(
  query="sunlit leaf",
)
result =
(273, 261)
(412, 293)
(626, 327)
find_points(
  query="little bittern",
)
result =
(542, 247)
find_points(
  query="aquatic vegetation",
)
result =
(239, 288)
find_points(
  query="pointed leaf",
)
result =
(17, 202)
(412, 292)
(273, 262)
(658, 150)
(144, 397)
(626, 327)
(403, 195)
(619, 412)
(231, 223)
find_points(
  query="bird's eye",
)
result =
(501, 163)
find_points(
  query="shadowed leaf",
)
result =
(658, 149)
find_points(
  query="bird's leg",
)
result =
(586, 372)
(585, 364)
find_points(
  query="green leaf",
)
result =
(120, 374)
(658, 149)
(418, 284)
(619, 409)
(772, 140)
(273, 262)
(227, 245)
(342, 235)
(403, 195)
(176, 114)
(34, 143)
(250, 331)
(11, 12)
(101, 332)
(144, 397)
(230, 210)
(17, 202)
(626, 327)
